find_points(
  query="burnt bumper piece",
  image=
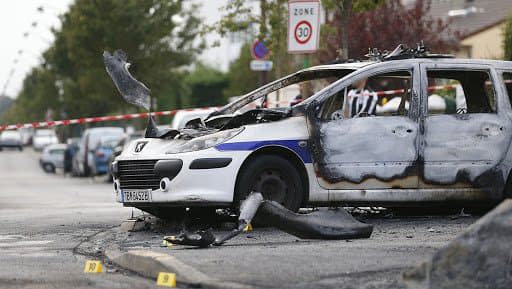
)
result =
(329, 224)
(333, 224)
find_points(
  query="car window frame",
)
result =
(366, 72)
(506, 105)
(425, 66)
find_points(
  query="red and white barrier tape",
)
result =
(97, 119)
(168, 112)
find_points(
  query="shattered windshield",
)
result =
(306, 83)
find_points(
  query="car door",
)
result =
(368, 152)
(462, 147)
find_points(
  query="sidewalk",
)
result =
(268, 258)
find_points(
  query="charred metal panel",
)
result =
(357, 149)
(460, 156)
(465, 149)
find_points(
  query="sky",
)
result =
(24, 43)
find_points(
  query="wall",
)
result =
(485, 44)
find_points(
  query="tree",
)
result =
(37, 96)
(345, 8)
(507, 39)
(272, 26)
(387, 26)
(205, 85)
(241, 79)
(159, 37)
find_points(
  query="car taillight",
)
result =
(100, 154)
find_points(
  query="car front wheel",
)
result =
(49, 168)
(275, 177)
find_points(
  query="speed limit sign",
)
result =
(303, 26)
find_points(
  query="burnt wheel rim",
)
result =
(272, 184)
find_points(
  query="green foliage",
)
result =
(353, 5)
(272, 26)
(38, 93)
(159, 37)
(507, 39)
(240, 77)
(205, 86)
(5, 104)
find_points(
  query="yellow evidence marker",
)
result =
(92, 266)
(167, 244)
(248, 228)
(166, 279)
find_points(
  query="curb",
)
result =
(149, 263)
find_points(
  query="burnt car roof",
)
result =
(259, 92)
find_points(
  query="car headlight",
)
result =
(206, 141)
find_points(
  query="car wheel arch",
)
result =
(279, 151)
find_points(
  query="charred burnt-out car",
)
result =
(316, 153)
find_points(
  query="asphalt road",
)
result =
(44, 217)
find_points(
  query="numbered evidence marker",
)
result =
(303, 26)
(92, 266)
(166, 279)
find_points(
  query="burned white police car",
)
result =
(406, 127)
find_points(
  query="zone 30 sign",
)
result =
(303, 26)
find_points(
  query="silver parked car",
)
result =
(53, 157)
(44, 137)
(84, 158)
(11, 138)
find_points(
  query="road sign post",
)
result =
(303, 26)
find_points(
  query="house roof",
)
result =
(471, 16)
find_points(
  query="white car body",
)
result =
(411, 156)
(43, 138)
(53, 157)
(11, 138)
(183, 116)
(217, 188)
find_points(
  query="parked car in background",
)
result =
(72, 145)
(183, 116)
(103, 152)
(12, 139)
(26, 135)
(43, 138)
(83, 160)
(52, 157)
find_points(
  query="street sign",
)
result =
(303, 26)
(259, 50)
(261, 65)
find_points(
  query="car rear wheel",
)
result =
(273, 176)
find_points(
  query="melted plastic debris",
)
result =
(132, 90)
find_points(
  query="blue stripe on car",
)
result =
(293, 145)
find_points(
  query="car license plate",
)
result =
(134, 196)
